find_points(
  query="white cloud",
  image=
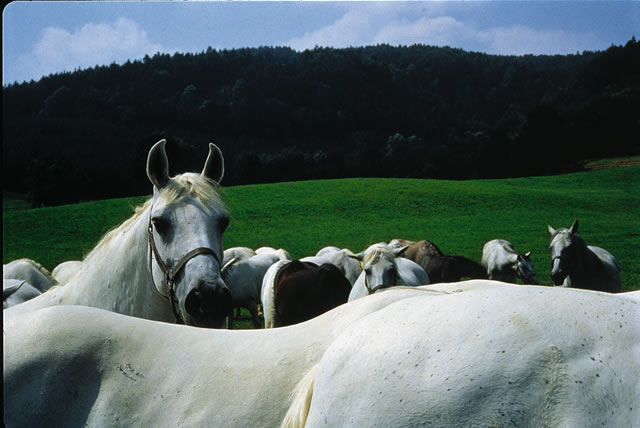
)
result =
(370, 26)
(520, 40)
(439, 31)
(92, 44)
(350, 30)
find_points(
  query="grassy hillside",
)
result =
(459, 216)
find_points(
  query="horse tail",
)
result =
(300, 400)
(268, 294)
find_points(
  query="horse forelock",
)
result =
(564, 238)
(192, 185)
(378, 252)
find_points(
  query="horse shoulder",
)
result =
(411, 273)
(359, 288)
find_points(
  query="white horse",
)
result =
(576, 264)
(244, 279)
(280, 252)
(384, 267)
(402, 357)
(81, 366)
(164, 262)
(66, 270)
(340, 258)
(507, 356)
(504, 263)
(238, 253)
(31, 271)
(16, 291)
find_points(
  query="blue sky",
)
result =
(43, 37)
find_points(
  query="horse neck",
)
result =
(115, 276)
(587, 268)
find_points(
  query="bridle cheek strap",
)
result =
(374, 289)
(170, 274)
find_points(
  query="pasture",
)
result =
(302, 217)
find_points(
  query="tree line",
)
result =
(278, 115)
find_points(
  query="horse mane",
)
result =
(43, 270)
(179, 187)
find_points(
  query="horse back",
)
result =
(421, 251)
(604, 272)
(453, 269)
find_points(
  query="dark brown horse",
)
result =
(453, 269)
(304, 290)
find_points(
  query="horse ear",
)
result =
(400, 251)
(574, 227)
(359, 256)
(527, 255)
(552, 231)
(158, 165)
(214, 165)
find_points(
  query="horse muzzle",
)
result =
(208, 304)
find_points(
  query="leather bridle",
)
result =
(170, 274)
(374, 289)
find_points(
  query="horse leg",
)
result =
(257, 323)
(230, 321)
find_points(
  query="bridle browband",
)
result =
(170, 274)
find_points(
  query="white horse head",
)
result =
(186, 222)
(524, 269)
(379, 266)
(164, 262)
(564, 246)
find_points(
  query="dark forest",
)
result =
(281, 115)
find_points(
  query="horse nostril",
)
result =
(209, 303)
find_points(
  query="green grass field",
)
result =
(302, 217)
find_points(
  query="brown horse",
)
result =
(418, 251)
(453, 269)
(304, 290)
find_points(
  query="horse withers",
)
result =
(578, 265)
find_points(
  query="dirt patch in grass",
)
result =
(610, 163)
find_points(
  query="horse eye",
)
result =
(160, 225)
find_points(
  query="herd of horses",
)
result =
(389, 336)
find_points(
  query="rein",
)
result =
(170, 274)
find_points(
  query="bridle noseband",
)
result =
(170, 274)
